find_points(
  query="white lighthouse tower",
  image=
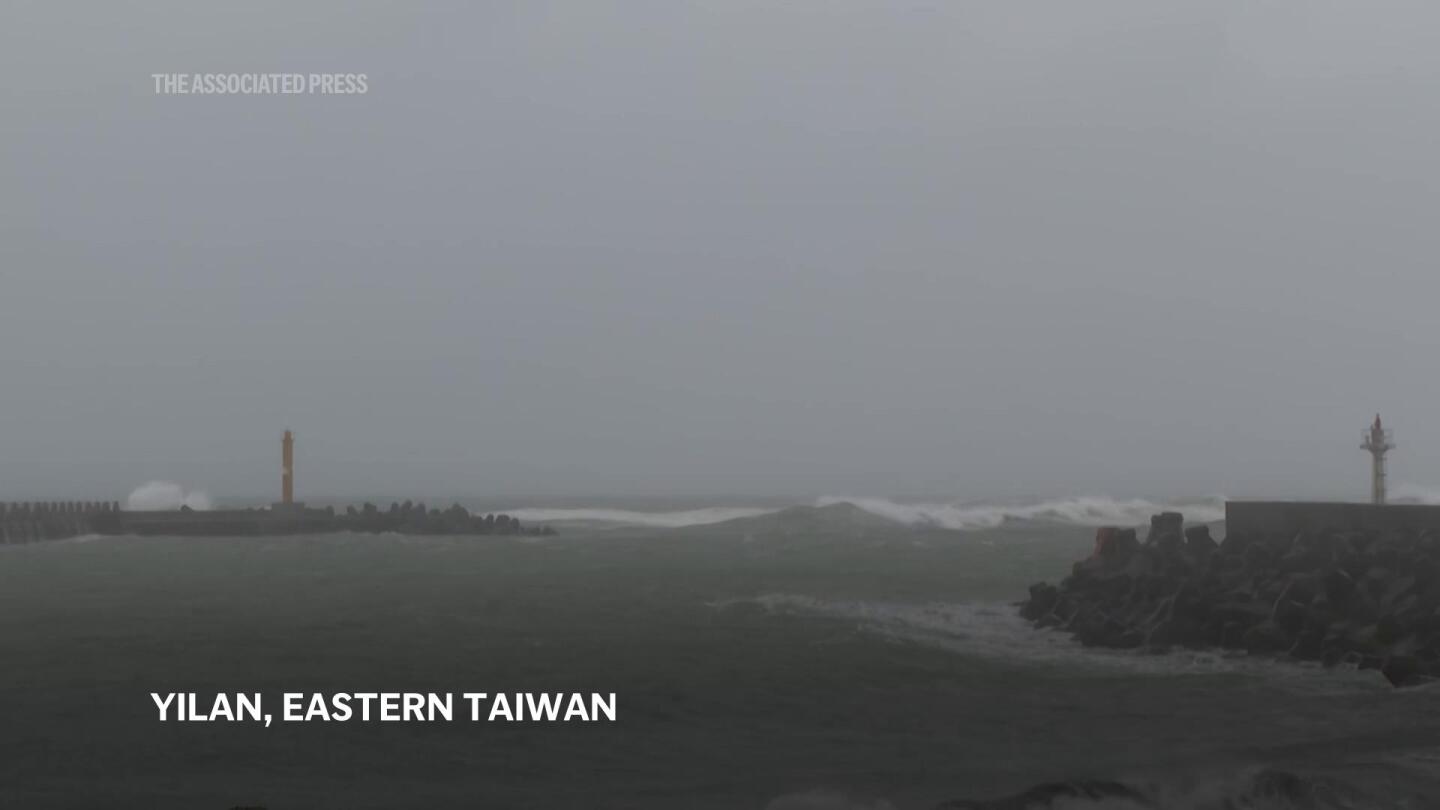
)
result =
(1376, 439)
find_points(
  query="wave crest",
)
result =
(156, 496)
(629, 517)
(1084, 510)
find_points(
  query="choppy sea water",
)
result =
(825, 656)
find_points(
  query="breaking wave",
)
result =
(1093, 510)
(630, 517)
(162, 495)
(1084, 510)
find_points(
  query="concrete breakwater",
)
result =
(1291, 517)
(39, 521)
(1368, 598)
(35, 521)
(281, 519)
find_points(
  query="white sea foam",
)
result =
(996, 631)
(1085, 510)
(162, 495)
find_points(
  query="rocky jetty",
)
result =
(415, 518)
(1367, 599)
(33, 522)
(297, 519)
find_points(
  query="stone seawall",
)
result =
(35, 521)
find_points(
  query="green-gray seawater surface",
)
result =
(815, 658)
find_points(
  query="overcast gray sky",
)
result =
(935, 248)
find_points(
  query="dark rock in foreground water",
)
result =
(1368, 599)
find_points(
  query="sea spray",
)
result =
(162, 495)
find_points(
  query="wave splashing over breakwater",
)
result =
(156, 496)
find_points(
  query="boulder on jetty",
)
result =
(1364, 598)
(415, 518)
(51, 520)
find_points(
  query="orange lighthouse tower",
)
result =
(1376, 439)
(287, 470)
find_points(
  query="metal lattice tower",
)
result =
(1376, 439)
